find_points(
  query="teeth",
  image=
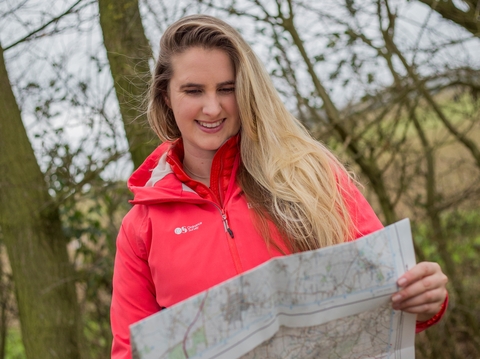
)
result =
(210, 125)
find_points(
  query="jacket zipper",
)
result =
(224, 216)
(230, 238)
(231, 242)
(225, 224)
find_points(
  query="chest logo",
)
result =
(186, 229)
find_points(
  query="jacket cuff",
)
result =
(421, 326)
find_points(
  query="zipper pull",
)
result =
(225, 224)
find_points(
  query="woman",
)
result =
(237, 181)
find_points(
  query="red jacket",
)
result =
(181, 237)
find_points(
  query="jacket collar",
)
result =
(161, 177)
(221, 171)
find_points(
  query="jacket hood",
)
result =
(160, 178)
(142, 174)
(143, 181)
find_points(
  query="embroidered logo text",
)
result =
(185, 229)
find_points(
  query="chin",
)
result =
(215, 145)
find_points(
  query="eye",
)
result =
(193, 92)
(227, 90)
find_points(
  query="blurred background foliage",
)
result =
(391, 86)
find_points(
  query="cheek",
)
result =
(184, 109)
(233, 106)
(185, 121)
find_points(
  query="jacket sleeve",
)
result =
(365, 221)
(421, 326)
(133, 295)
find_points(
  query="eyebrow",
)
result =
(191, 84)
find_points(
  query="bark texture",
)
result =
(36, 246)
(4, 293)
(128, 53)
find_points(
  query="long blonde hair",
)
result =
(291, 179)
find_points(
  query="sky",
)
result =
(83, 111)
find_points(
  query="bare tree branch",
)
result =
(54, 20)
(469, 20)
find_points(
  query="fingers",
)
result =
(425, 302)
(422, 290)
(421, 270)
(422, 278)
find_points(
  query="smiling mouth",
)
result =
(211, 124)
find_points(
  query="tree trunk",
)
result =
(128, 53)
(36, 246)
(4, 293)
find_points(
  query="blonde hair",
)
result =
(291, 179)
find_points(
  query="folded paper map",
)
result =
(327, 303)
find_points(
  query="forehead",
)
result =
(204, 65)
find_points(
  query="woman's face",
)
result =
(201, 95)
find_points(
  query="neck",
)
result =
(198, 169)
(198, 161)
(192, 174)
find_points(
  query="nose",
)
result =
(212, 106)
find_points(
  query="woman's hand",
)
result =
(422, 291)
